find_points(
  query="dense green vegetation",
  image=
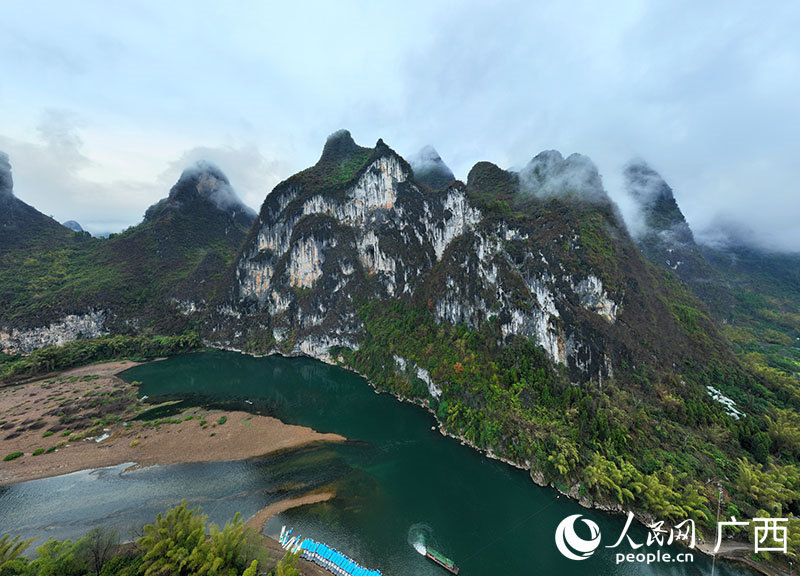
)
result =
(82, 352)
(649, 437)
(493, 190)
(756, 299)
(179, 542)
(182, 250)
(656, 442)
(131, 271)
(342, 160)
(754, 296)
(764, 329)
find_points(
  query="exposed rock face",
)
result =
(371, 237)
(496, 273)
(160, 273)
(71, 327)
(430, 169)
(328, 240)
(594, 298)
(418, 372)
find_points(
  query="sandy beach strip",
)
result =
(62, 416)
(260, 518)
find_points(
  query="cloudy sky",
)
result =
(103, 103)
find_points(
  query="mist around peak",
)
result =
(430, 169)
(550, 175)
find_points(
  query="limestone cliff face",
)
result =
(321, 247)
(69, 328)
(540, 254)
(317, 251)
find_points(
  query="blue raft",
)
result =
(322, 555)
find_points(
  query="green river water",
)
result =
(396, 480)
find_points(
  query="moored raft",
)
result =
(322, 555)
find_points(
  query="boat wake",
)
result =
(418, 536)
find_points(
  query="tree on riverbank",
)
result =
(11, 548)
(288, 566)
(179, 542)
(86, 351)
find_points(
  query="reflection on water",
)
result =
(395, 474)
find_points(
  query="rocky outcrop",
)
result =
(358, 227)
(594, 298)
(69, 328)
(317, 249)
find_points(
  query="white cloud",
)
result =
(58, 176)
(251, 174)
(705, 92)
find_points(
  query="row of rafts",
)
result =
(342, 565)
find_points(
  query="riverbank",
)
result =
(83, 418)
(385, 472)
(731, 551)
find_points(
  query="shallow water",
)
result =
(395, 479)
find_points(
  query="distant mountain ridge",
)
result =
(204, 182)
(135, 279)
(21, 225)
(666, 238)
(517, 307)
(715, 273)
